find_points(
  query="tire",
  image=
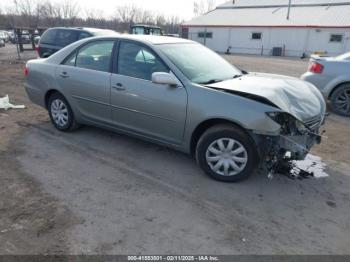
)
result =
(340, 100)
(242, 153)
(61, 113)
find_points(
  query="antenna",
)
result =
(290, 2)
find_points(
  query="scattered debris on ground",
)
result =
(311, 166)
(5, 104)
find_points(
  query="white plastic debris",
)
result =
(5, 104)
(312, 164)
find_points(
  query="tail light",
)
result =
(26, 71)
(315, 67)
(37, 49)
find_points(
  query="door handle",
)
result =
(64, 75)
(119, 87)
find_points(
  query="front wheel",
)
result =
(226, 153)
(340, 100)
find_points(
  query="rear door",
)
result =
(154, 110)
(85, 77)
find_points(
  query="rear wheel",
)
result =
(340, 100)
(226, 153)
(61, 114)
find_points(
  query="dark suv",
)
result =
(56, 38)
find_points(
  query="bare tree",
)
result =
(127, 13)
(144, 17)
(46, 13)
(201, 7)
(69, 10)
(29, 11)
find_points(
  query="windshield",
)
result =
(199, 64)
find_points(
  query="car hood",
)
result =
(299, 98)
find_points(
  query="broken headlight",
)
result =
(289, 124)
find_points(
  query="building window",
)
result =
(205, 35)
(256, 36)
(336, 38)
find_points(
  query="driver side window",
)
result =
(138, 61)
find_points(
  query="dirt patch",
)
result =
(32, 221)
(13, 121)
(336, 145)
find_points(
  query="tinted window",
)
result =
(83, 35)
(138, 61)
(336, 38)
(49, 37)
(154, 31)
(256, 36)
(205, 35)
(138, 31)
(66, 37)
(95, 56)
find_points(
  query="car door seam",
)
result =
(142, 113)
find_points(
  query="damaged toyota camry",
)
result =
(180, 94)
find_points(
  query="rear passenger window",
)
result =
(95, 56)
(83, 35)
(138, 61)
(70, 61)
(49, 37)
(66, 37)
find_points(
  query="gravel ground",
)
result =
(98, 192)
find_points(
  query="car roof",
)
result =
(148, 26)
(87, 29)
(151, 39)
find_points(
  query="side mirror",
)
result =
(164, 79)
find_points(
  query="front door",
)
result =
(85, 77)
(139, 105)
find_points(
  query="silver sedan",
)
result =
(180, 94)
(331, 75)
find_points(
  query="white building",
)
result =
(258, 26)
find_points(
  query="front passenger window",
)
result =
(138, 61)
(95, 56)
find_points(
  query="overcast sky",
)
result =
(181, 8)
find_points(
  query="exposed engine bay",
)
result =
(293, 143)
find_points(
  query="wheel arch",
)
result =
(48, 94)
(336, 87)
(206, 124)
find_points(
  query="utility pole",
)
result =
(290, 2)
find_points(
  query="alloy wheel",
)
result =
(342, 101)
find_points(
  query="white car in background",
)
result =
(331, 75)
(4, 36)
